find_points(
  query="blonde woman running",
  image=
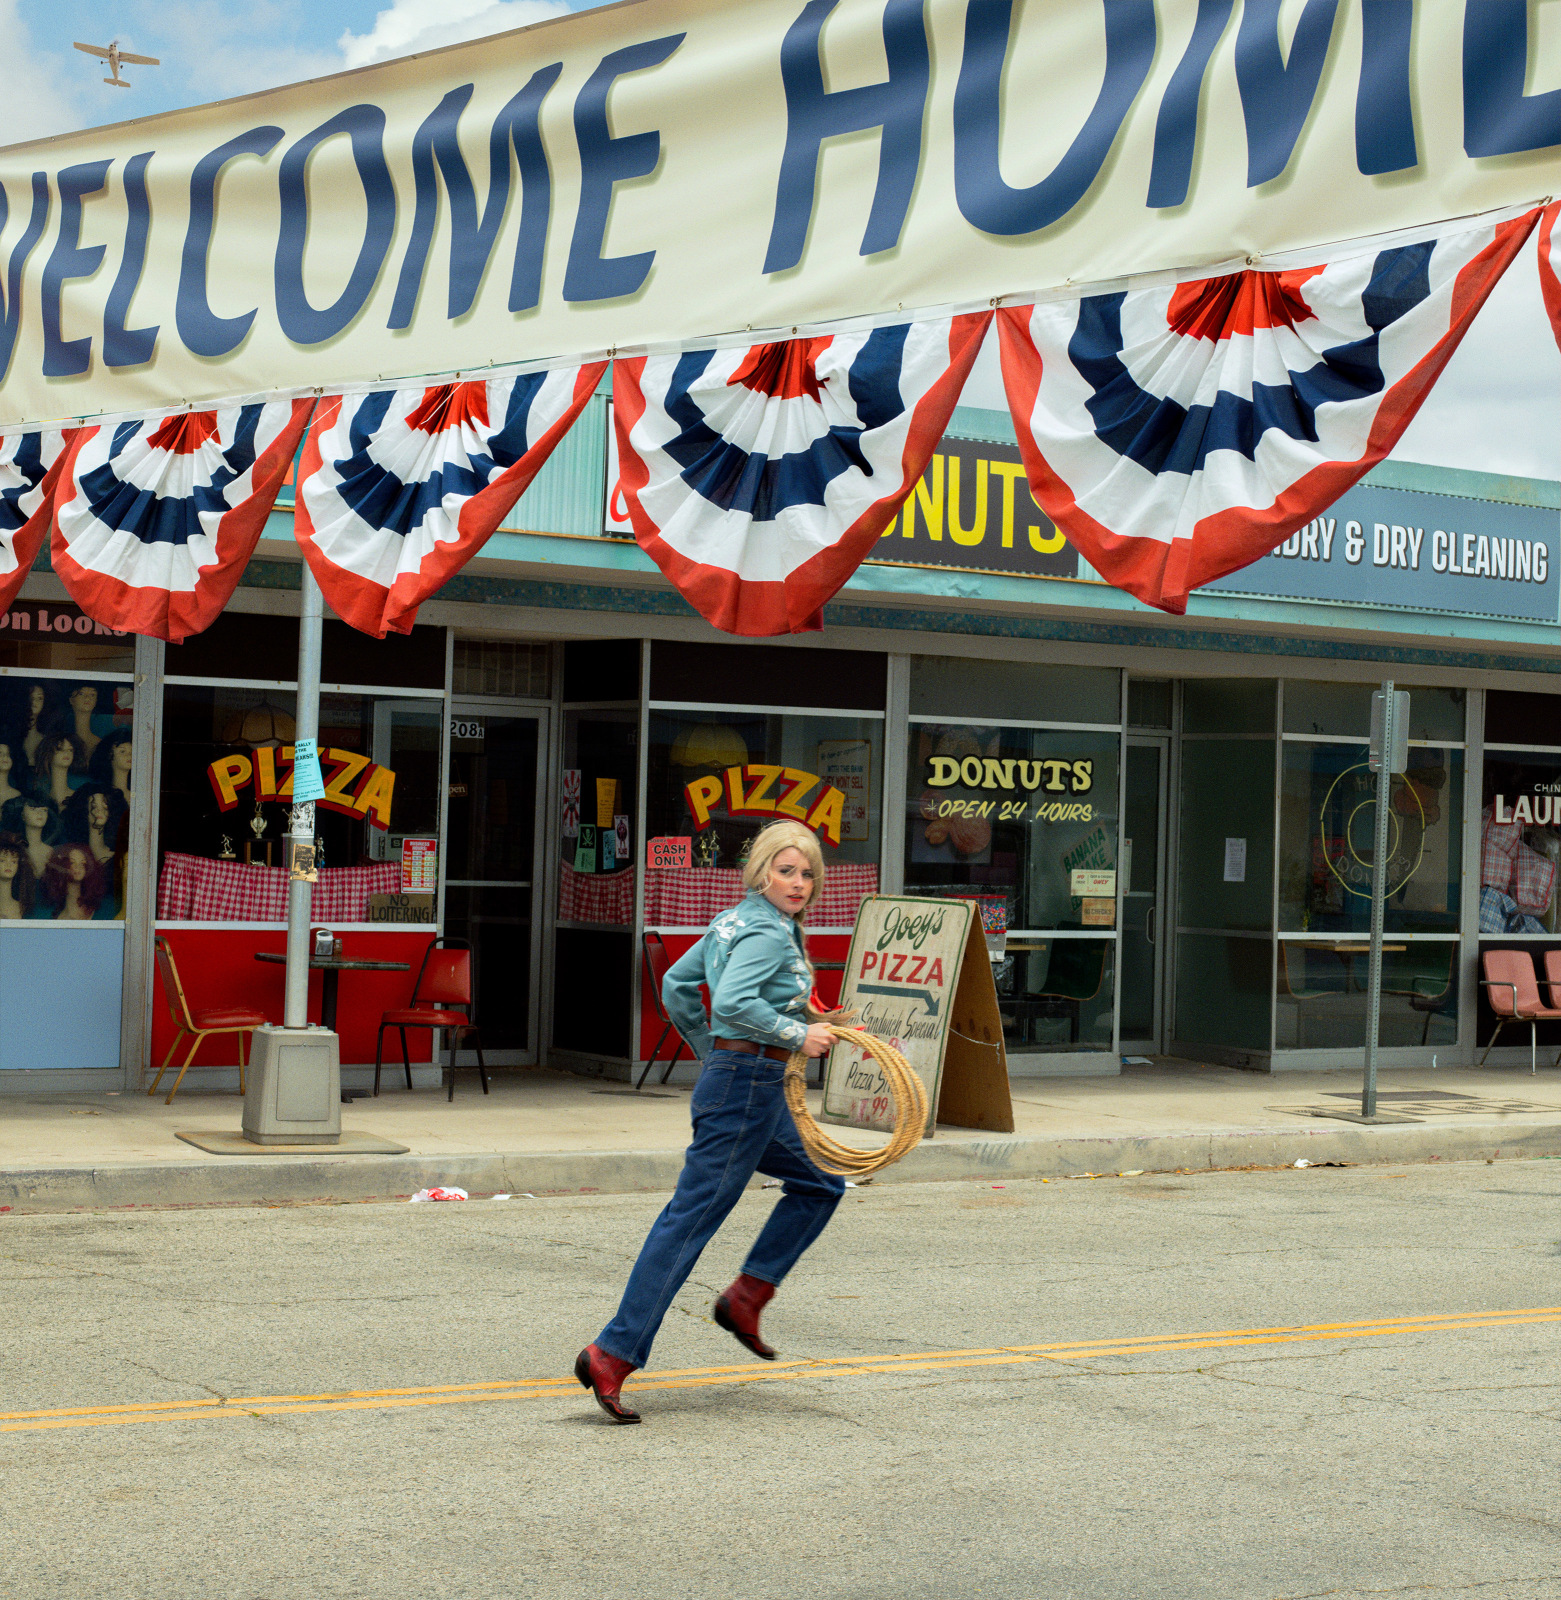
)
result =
(752, 960)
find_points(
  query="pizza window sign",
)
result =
(763, 789)
(354, 785)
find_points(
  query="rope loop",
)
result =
(905, 1089)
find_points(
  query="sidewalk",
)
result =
(551, 1132)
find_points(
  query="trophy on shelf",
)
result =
(226, 853)
(257, 826)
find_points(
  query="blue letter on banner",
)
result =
(11, 309)
(68, 358)
(605, 161)
(436, 151)
(1384, 114)
(200, 328)
(1176, 128)
(985, 200)
(122, 346)
(813, 116)
(301, 322)
(1498, 118)
(1277, 94)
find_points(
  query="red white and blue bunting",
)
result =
(1178, 433)
(154, 521)
(29, 469)
(758, 478)
(1549, 267)
(400, 488)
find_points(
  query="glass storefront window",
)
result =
(1322, 994)
(226, 794)
(1520, 842)
(716, 777)
(596, 841)
(1343, 710)
(1013, 812)
(54, 636)
(1019, 816)
(65, 782)
(1327, 823)
(1021, 691)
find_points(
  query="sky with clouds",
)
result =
(1497, 407)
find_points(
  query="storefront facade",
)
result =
(1165, 821)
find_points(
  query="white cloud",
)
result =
(36, 103)
(407, 26)
(215, 49)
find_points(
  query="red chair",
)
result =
(444, 981)
(1514, 997)
(656, 963)
(213, 1019)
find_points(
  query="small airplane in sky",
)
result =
(116, 58)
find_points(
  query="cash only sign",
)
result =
(919, 977)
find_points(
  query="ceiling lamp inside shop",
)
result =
(709, 744)
(261, 727)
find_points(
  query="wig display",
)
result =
(110, 764)
(97, 817)
(74, 883)
(56, 758)
(13, 767)
(18, 882)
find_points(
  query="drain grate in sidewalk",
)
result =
(1427, 1103)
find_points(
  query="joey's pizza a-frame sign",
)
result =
(918, 976)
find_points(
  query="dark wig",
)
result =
(25, 884)
(101, 766)
(46, 748)
(11, 820)
(56, 878)
(77, 815)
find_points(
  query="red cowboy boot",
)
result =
(603, 1375)
(738, 1312)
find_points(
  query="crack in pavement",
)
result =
(146, 1366)
(1418, 1588)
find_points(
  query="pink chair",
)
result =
(1514, 996)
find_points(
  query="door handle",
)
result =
(1149, 923)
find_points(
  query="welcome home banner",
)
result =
(666, 172)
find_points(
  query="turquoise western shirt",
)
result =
(752, 961)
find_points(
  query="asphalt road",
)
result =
(1394, 1431)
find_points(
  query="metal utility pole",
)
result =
(300, 889)
(293, 1092)
(1389, 754)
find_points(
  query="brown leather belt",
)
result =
(747, 1047)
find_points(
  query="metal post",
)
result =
(1379, 885)
(295, 1009)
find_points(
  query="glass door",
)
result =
(1143, 896)
(495, 843)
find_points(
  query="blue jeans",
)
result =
(741, 1126)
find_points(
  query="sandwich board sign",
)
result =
(918, 976)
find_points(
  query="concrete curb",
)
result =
(293, 1180)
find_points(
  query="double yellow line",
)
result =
(771, 1372)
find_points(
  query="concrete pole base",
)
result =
(292, 1092)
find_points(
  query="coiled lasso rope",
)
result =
(910, 1110)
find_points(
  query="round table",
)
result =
(333, 967)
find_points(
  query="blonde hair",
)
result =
(768, 843)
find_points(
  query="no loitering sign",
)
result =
(919, 977)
